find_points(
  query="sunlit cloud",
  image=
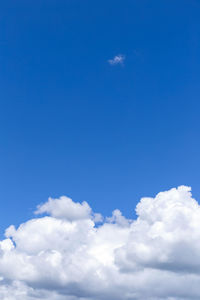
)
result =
(62, 254)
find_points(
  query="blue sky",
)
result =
(72, 124)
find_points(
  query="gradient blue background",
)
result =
(71, 124)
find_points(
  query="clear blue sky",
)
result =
(72, 124)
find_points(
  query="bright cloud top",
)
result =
(117, 60)
(63, 255)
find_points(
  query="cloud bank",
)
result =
(61, 254)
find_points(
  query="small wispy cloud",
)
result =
(117, 60)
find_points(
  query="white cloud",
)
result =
(65, 256)
(64, 207)
(117, 60)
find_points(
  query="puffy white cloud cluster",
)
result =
(64, 255)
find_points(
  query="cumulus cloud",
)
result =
(65, 255)
(65, 208)
(117, 60)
